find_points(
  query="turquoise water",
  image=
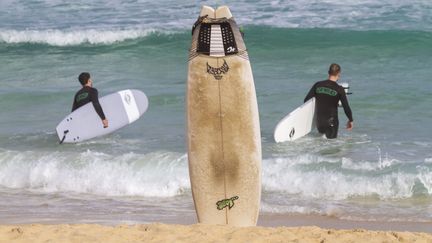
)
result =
(381, 171)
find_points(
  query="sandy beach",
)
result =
(197, 233)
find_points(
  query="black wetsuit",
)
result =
(86, 95)
(327, 94)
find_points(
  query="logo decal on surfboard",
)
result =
(127, 98)
(292, 132)
(231, 49)
(218, 72)
(226, 203)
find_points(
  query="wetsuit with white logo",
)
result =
(327, 94)
(86, 95)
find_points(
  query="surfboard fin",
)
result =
(64, 136)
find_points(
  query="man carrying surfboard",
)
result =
(327, 94)
(88, 94)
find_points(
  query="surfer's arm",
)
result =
(346, 106)
(310, 94)
(95, 100)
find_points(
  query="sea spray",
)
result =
(157, 174)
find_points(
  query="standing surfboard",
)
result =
(120, 108)
(297, 123)
(224, 143)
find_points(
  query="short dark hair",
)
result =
(84, 78)
(334, 69)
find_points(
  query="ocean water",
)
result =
(380, 171)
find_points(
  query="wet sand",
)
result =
(197, 233)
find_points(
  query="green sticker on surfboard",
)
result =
(226, 203)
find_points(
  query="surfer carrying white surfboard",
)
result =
(88, 94)
(328, 94)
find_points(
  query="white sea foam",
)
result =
(348, 163)
(425, 176)
(71, 37)
(165, 174)
(332, 183)
(279, 209)
(130, 22)
(159, 174)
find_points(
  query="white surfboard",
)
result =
(296, 124)
(224, 142)
(120, 109)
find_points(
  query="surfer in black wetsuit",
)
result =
(88, 94)
(327, 94)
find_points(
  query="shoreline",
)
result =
(264, 220)
(342, 224)
(158, 232)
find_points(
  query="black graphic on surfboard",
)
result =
(218, 72)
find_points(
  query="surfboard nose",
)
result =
(219, 13)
